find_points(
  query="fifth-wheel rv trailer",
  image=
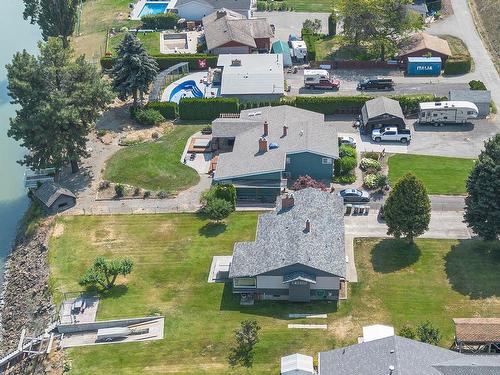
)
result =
(452, 112)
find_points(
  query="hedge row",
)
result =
(166, 61)
(330, 105)
(167, 109)
(162, 21)
(207, 109)
(409, 103)
(457, 65)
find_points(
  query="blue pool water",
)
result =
(153, 8)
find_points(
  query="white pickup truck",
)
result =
(391, 134)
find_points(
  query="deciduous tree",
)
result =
(104, 272)
(407, 210)
(217, 209)
(55, 17)
(59, 99)
(246, 337)
(482, 204)
(134, 70)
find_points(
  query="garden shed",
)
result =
(297, 364)
(481, 98)
(380, 112)
(54, 198)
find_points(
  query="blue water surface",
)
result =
(153, 8)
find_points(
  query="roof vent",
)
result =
(236, 62)
(391, 369)
(308, 226)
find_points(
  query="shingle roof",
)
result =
(408, 357)
(379, 106)
(223, 26)
(255, 74)
(477, 329)
(307, 131)
(422, 41)
(471, 365)
(50, 191)
(282, 241)
(475, 96)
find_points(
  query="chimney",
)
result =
(287, 201)
(308, 226)
(266, 128)
(285, 130)
(262, 145)
(221, 13)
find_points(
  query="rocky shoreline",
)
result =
(26, 301)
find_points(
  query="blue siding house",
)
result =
(267, 149)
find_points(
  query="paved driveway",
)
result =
(287, 23)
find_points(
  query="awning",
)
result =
(299, 276)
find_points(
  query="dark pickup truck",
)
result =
(376, 84)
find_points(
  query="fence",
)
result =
(164, 78)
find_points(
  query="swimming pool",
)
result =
(153, 8)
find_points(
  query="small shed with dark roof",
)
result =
(380, 112)
(481, 98)
(54, 198)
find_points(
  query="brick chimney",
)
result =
(262, 145)
(285, 130)
(266, 128)
(308, 226)
(287, 201)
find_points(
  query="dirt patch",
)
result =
(58, 230)
(143, 135)
(343, 328)
(103, 235)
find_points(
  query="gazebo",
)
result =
(477, 334)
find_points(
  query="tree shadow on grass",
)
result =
(473, 268)
(212, 229)
(274, 309)
(391, 255)
(115, 292)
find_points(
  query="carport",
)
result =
(380, 112)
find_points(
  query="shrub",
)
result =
(457, 65)
(427, 333)
(206, 108)
(137, 191)
(101, 133)
(409, 103)
(144, 116)
(347, 179)
(477, 85)
(146, 194)
(167, 109)
(346, 150)
(375, 180)
(162, 194)
(160, 21)
(408, 332)
(330, 105)
(217, 209)
(119, 190)
(103, 185)
(307, 181)
(371, 155)
(366, 164)
(345, 165)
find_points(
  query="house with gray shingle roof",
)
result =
(230, 32)
(298, 253)
(268, 148)
(54, 198)
(397, 355)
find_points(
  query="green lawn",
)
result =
(320, 6)
(440, 175)
(155, 165)
(151, 42)
(434, 280)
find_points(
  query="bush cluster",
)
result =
(330, 105)
(166, 61)
(206, 108)
(167, 109)
(346, 150)
(372, 164)
(457, 65)
(409, 103)
(348, 179)
(375, 180)
(371, 155)
(477, 85)
(145, 116)
(162, 21)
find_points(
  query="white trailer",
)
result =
(452, 112)
(298, 49)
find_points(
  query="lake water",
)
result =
(15, 35)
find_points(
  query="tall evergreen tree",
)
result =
(482, 204)
(56, 18)
(134, 70)
(59, 101)
(407, 211)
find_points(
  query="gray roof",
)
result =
(409, 357)
(254, 74)
(50, 191)
(224, 26)
(475, 96)
(242, 6)
(282, 241)
(471, 365)
(380, 106)
(307, 131)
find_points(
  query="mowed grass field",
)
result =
(399, 284)
(151, 42)
(155, 165)
(440, 175)
(315, 6)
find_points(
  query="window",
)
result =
(326, 160)
(245, 282)
(288, 161)
(470, 112)
(434, 114)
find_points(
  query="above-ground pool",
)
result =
(153, 8)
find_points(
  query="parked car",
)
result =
(350, 141)
(375, 83)
(391, 134)
(354, 196)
